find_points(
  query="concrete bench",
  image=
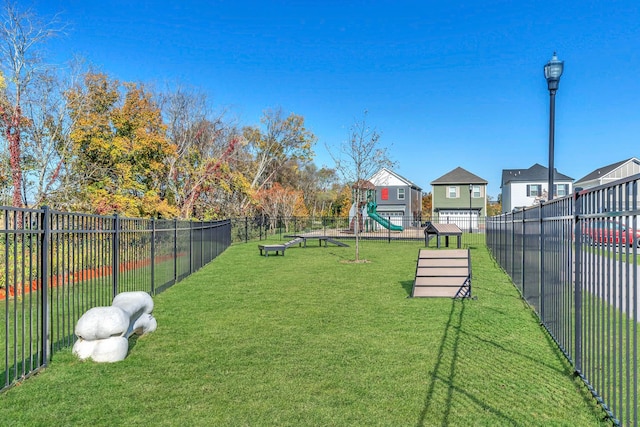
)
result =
(271, 248)
(265, 249)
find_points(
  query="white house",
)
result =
(528, 187)
(606, 174)
(397, 197)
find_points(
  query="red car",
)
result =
(610, 232)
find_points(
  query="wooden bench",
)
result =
(443, 273)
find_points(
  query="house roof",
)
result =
(536, 172)
(363, 184)
(397, 176)
(459, 176)
(600, 172)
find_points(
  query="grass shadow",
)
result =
(445, 373)
(407, 285)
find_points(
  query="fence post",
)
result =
(153, 256)
(45, 223)
(541, 264)
(513, 244)
(202, 233)
(522, 260)
(190, 246)
(577, 209)
(246, 229)
(175, 250)
(116, 253)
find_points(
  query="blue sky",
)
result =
(446, 84)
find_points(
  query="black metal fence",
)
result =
(575, 260)
(54, 266)
(246, 229)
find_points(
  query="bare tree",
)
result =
(47, 146)
(284, 139)
(204, 142)
(21, 34)
(358, 159)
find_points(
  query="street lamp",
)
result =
(552, 72)
(470, 191)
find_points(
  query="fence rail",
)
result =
(54, 266)
(246, 229)
(575, 261)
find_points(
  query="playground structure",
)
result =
(366, 212)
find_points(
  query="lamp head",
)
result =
(552, 72)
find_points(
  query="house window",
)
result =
(385, 194)
(534, 190)
(476, 192)
(561, 190)
(452, 193)
(400, 193)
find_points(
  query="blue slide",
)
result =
(371, 211)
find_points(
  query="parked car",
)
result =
(610, 232)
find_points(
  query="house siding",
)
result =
(410, 206)
(517, 194)
(442, 202)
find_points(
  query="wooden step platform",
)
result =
(443, 273)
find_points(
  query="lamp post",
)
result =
(552, 72)
(470, 191)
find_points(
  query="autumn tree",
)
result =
(121, 148)
(494, 207)
(282, 139)
(318, 187)
(22, 35)
(427, 205)
(202, 174)
(357, 160)
(281, 203)
(343, 202)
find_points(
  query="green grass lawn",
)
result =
(307, 339)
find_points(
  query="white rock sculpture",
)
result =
(103, 332)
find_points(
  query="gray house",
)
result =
(397, 197)
(609, 173)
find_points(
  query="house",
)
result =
(606, 174)
(528, 187)
(459, 197)
(397, 197)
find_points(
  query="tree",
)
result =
(121, 148)
(47, 144)
(201, 174)
(427, 205)
(21, 34)
(358, 159)
(278, 202)
(494, 207)
(284, 139)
